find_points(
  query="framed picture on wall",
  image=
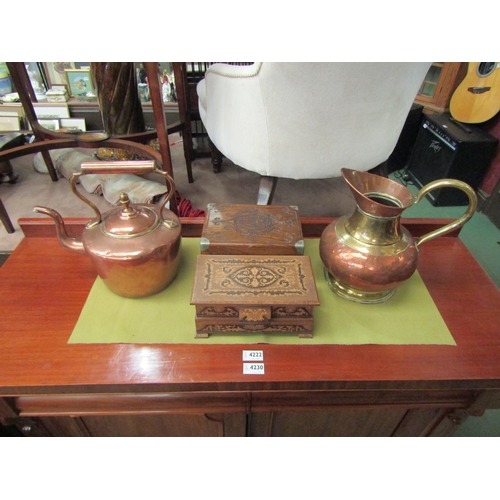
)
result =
(82, 65)
(9, 123)
(37, 76)
(49, 110)
(73, 123)
(55, 72)
(79, 82)
(50, 124)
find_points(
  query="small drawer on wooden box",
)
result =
(249, 294)
(252, 230)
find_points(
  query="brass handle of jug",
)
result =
(447, 183)
(141, 167)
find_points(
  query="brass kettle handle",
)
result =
(141, 167)
(461, 220)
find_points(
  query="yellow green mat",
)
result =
(409, 317)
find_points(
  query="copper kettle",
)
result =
(368, 254)
(135, 248)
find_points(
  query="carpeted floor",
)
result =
(325, 197)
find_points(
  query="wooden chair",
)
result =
(8, 141)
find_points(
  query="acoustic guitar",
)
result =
(477, 98)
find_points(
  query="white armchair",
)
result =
(307, 120)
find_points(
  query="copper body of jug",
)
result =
(368, 254)
(134, 248)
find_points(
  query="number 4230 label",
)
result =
(253, 368)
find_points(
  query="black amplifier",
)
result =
(448, 149)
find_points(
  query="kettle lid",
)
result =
(130, 220)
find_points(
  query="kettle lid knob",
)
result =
(129, 220)
(125, 201)
(127, 211)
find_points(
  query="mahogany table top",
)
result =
(43, 288)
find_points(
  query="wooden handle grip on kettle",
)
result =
(140, 167)
(118, 167)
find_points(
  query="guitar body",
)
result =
(477, 98)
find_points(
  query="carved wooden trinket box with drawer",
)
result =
(254, 293)
(252, 229)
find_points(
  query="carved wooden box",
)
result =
(252, 229)
(254, 293)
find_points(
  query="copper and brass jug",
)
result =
(134, 248)
(368, 254)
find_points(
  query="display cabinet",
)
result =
(47, 74)
(439, 84)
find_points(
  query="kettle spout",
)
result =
(65, 240)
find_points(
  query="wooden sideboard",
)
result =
(51, 388)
